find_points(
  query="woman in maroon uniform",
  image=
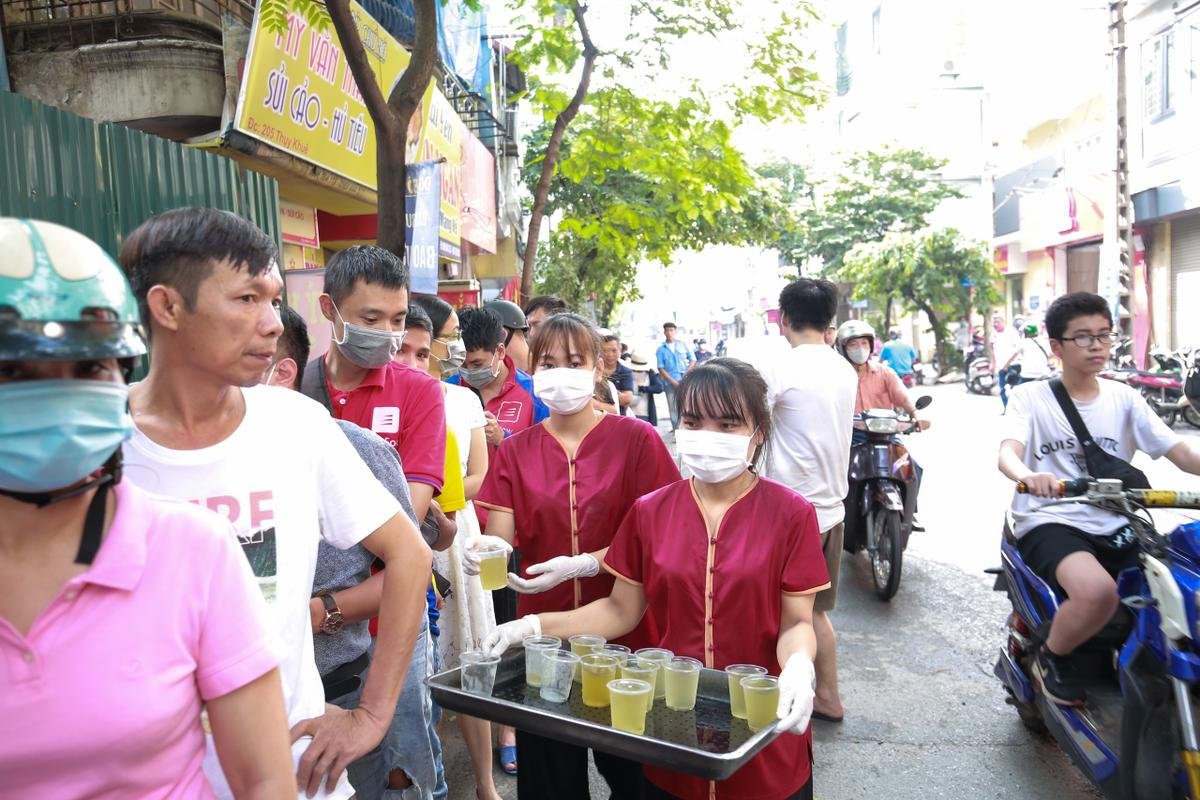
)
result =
(559, 490)
(730, 564)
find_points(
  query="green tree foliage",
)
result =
(776, 82)
(621, 197)
(938, 272)
(872, 194)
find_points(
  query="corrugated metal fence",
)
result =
(105, 180)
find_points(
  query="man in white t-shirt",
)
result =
(811, 392)
(1003, 344)
(270, 460)
(1077, 549)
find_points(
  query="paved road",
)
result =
(925, 717)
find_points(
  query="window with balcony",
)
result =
(1158, 86)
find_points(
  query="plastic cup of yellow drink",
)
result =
(535, 646)
(557, 668)
(619, 650)
(659, 656)
(737, 700)
(640, 669)
(682, 678)
(581, 645)
(762, 700)
(630, 699)
(598, 670)
(493, 567)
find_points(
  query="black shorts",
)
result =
(1044, 548)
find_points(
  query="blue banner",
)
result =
(423, 208)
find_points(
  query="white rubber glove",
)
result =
(553, 572)
(470, 554)
(511, 633)
(796, 692)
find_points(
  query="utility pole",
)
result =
(1117, 280)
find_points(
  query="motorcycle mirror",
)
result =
(923, 401)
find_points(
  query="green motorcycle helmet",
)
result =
(62, 298)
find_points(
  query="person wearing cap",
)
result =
(674, 360)
(647, 384)
(124, 614)
(516, 331)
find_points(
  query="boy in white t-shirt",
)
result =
(1076, 548)
(272, 461)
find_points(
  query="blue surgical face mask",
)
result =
(54, 433)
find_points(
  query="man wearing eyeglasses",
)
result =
(1076, 548)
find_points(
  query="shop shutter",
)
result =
(1185, 281)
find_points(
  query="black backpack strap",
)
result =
(1068, 407)
(313, 384)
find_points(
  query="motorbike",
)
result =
(883, 494)
(1163, 392)
(980, 377)
(1136, 738)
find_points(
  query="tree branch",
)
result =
(360, 66)
(550, 162)
(413, 82)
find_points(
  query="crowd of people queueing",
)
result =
(218, 577)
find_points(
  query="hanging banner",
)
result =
(479, 196)
(443, 138)
(297, 93)
(298, 224)
(422, 210)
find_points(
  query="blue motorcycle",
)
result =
(1136, 738)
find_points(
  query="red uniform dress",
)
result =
(564, 506)
(718, 598)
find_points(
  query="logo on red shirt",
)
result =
(509, 412)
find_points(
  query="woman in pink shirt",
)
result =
(123, 614)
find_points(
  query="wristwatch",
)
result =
(333, 621)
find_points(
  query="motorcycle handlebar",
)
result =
(1072, 488)
(1149, 498)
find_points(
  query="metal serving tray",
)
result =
(707, 742)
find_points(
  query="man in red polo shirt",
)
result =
(505, 389)
(366, 301)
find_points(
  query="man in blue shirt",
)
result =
(899, 356)
(674, 360)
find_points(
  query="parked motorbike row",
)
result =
(1165, 387)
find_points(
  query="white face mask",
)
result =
(564, 390)
(713, 457)
(858, 355)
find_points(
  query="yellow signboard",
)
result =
(298, 94)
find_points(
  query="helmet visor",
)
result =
(39, 340)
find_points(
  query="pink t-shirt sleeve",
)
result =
(804, 569)
(235, 647)
(422, 442)
(625, 558)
